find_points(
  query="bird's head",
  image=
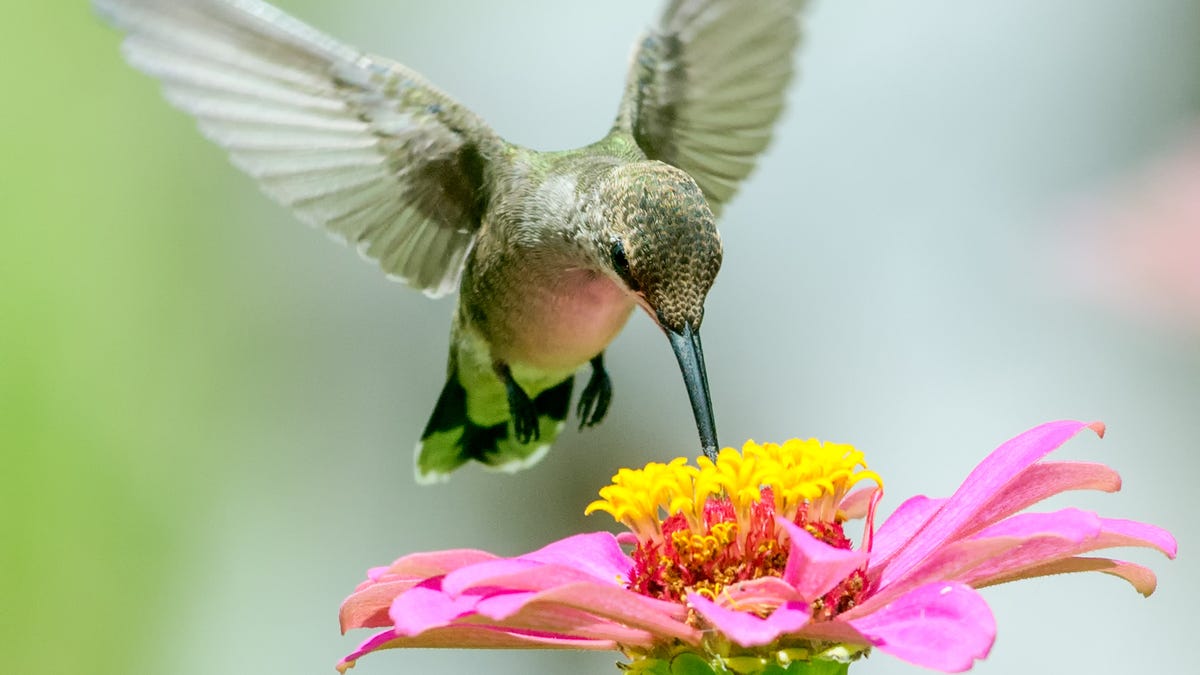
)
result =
(660, 242)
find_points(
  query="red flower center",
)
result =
(725, 551)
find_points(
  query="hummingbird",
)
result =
(550, 252)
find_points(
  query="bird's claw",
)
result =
(525, 419)
(593, 403)
(520, 408)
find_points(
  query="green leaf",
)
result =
(746, 665)
(818, 667)
(648, 667)
(691, 664)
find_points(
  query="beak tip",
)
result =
(690, 355)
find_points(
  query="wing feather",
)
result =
(707, 86)
(349, 141)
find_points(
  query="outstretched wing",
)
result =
(355, 143)
(707, 85)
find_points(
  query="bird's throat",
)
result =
(564, 324)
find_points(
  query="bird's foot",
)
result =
(593, 403)
(520, 407)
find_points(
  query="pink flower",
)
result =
(751, 566)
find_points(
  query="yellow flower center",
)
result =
(702, 528)
(809, 474)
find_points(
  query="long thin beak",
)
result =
(691, 363)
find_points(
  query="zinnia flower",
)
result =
(743, 565)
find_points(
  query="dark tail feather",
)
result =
(452, 439)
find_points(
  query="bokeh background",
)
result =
(207, 410)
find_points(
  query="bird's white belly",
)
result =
(565, 324)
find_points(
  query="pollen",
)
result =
(701, 528)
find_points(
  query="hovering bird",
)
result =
(550, 251)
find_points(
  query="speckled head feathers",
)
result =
(664, 243)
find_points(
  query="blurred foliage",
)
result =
(102, 420)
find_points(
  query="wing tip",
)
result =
(423, 476)
(517, 465)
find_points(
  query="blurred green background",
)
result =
(207, 410)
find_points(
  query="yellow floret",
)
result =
(799, 472)
(636, 495)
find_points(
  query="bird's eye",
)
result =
(621, 264)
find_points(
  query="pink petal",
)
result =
(1041, 481)
(595, 557)
(373, 575)
(979, 488)
(856, 504)
(514, 574)
(1061, 535)
(597, 554)
(1026, 545)
(556, 618)
(1141, 578)
(943, 626)
(368, 607)
(1132, 533)
(763, 591)
(1071, 525)
(613, 604)
(1012, 564)
(814, 568)
(425, 607)
(749, 630)
(665, 619)
(951, 563)
(590, 557)
(419, 566)
(374, 643)
(474, 637)
(899, 527)
(501, 606)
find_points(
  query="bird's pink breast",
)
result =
(567, 323)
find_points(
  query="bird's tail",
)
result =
(471, 421)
